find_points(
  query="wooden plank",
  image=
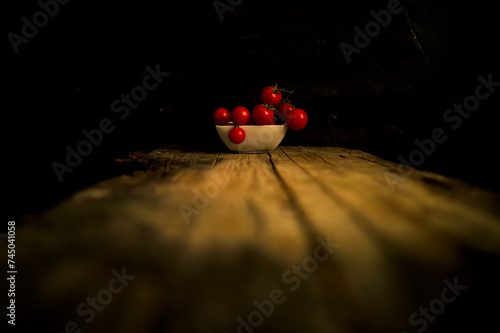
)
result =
(466, 213)
(277, 241)
(244, 234)
(373, 206)
(208, 234)
(359, 266)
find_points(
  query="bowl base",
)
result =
(252, 152)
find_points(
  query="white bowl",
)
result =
(259, 138)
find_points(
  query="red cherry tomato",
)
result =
(271, 96)
(221, 116)
(262, 115)
(283, 110)
(237, 135)
(296, 119)
(240, 115)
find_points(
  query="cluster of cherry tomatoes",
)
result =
(274, 110)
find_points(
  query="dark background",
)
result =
(395, 91)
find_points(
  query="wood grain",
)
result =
(207, 234)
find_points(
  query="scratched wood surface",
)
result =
(300, 239)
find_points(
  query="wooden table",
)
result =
(300, 239)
